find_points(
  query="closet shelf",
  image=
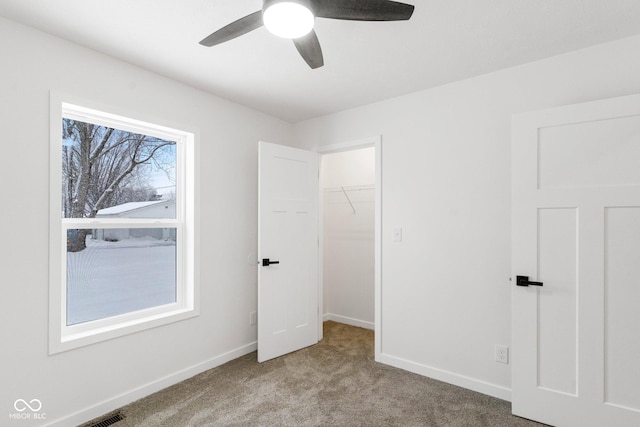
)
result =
(349, 188)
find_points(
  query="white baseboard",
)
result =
(349, 321)
(474, 384)
(116, 402)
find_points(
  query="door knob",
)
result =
(524, 281)
(266, 262)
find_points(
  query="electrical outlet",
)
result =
(253, 316)
(502, 354)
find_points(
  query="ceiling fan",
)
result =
(294, 19)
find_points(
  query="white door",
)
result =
(576, 229)
(287, 250)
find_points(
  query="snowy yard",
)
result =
(111, 278)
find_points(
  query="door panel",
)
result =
(557, 308)
(576, 228)
(600, 153)
(288, 234)
(622, 303)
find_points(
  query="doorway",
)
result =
(350, 231)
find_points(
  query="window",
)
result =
(122, 241)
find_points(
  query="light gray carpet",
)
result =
(334, 383)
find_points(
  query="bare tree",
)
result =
(104, 166)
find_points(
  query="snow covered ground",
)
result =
(111, 278)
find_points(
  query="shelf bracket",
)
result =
(348, 199)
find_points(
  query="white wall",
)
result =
(349, 168)
(348, 237)
(446, 181)
(97, 378)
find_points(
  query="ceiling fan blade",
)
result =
(235, 29)
(363, 10)
(309, 48)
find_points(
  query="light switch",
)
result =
(397, 234)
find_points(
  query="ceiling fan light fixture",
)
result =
(288, 19)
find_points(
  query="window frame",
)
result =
(63, 337)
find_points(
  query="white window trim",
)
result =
(63, 337)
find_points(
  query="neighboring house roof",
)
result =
(131, 206)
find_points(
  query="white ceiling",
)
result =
(445, 41)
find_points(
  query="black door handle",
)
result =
(267, 263)
(524, 281)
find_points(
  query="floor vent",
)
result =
(110, 420)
